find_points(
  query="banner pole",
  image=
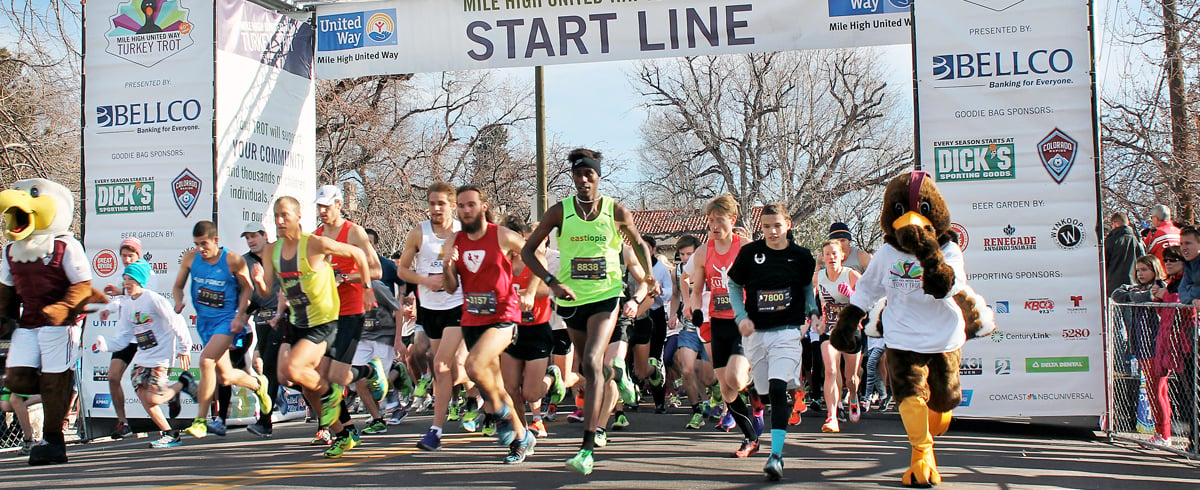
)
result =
(915, 77)
(539, 96)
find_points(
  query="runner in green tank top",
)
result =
(301, 264)
(590, 284)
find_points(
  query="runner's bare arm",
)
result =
(404, 268)
(326, 246)
(537, 265)
(181, 279)
(450, 265)
(512, 242)
(266, 286)
(237, 267)
(698, 281)
(359, 238)
(624, 220)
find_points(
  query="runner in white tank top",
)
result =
(835, 294)
(429, 263)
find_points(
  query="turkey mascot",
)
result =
(929, 314)
(45, 284)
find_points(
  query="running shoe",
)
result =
(774, 467)
(188, 382)
(657, 376)
(217, 427)
(576, 416)
(403, 380)
(558, 387)
(748, 448)
(26, 447)
(855, 413)
(864, 406)
(431, 442)
(377, 381)
(538, 428)
(842, 414)
(621, 422)
(331, 406)
(798, 405)
(377, 426)
(673, 401)
(121, 431)
(488, 428)
(398, 416)
(1159, 440)
(469, 425)
(582, 462)
(831, 425)
(265, 401)
(343, 444)
(471, 415)
(174, 406)
(794, 419)
(166, 439)
(625, 385)
(551, 412)
(696, 423)
(505, 432)
(757, 423)
(422, 404)
(422, 387)
(453, 412)
(727, 424)
(601, 438)
(660, 409)
(321, 438)
(259, 430)
(519, 450)
(198, 429)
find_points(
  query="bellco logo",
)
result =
(997, 64)
(140, 113)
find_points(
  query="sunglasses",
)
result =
(1172, 259)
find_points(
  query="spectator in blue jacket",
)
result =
(1189, 285)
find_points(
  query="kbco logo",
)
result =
(1040, 305)
(996, 64)
(140, 113)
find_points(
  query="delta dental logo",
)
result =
(1005, 65)
(146, 32)
(354, 30)
(1057, 152)
(186, 189)
(122, 196)
(1010, 242)
(1076, 364)
(105, 263)
(977, 159)
(842, 8)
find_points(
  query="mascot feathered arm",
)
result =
(74, 302)
(939, 276)
(9, 309)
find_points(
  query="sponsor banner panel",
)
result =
(409, 36)
(1006, 130)
(266, 147)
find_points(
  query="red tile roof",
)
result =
(672, 222)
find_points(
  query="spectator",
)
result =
(1164, 233)
(855, 258)
(1142, 321)
(1121, 249)
(1189, 284)
(390, 278)
(1170, 345)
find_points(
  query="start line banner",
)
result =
(416, 36)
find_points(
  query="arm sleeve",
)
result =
(737, 299)
(870, 286)
(810, 300)
(384, 296)
(953, 257)
(124, 333)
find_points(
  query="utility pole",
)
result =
(539, 98)
(1182, 149)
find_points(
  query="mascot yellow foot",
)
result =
(922, 424)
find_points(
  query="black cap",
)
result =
(840, 230)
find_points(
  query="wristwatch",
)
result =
(549, 279)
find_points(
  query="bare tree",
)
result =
(802, 128)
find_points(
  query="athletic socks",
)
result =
(780, 410)
(344, 414)
(589, 440)
(224, 396)
(360, 372)
(777, 439)
(697, 408)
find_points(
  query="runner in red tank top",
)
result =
(478, 260)
(729, 360)
(354, 292)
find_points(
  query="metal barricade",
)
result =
(1152, 351)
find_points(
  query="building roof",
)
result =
(674, 222)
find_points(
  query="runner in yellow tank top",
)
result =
(591, 315)
(306, 278)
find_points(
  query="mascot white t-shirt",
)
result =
(913, 321)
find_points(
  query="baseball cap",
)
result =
(840, 230)
(254, 227)
(327, 194)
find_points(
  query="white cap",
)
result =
(327, 194)
(254, 227)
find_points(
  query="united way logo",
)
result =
(841, 8)
(1057, 151)
(356, 30)
(186, 189)
(149, 31)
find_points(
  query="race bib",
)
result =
(145, 340)
(589, 268)
(210, 298)
(295, 294)
(481, 304)
(721, 302)
(261, 317)
(774, 300)
(527, 317)
(369, 321)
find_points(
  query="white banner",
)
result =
(1007, 129)
(147, 149)
(412, 36)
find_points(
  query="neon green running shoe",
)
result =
(422, 387)
(331, 406)
(198, 429)
(625, 386)
(264, 395)
(582, 462)
(377, 382)
(558, 387)
(343, 444)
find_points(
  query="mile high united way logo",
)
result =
(842, 8)
(149, 31)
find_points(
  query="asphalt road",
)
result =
(655, 452)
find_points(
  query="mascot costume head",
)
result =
(929, 314)
(45, 284)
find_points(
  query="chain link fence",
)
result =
(1152, 354)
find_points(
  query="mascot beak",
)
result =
(24, 213)
(911, 218)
